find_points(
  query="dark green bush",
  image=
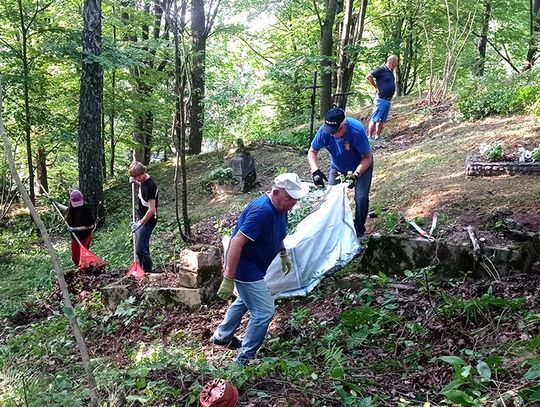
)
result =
(499, 94)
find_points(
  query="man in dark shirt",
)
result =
(382, 79)
(148, 203)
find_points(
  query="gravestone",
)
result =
(243, 166)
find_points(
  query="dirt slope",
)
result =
(420, 168)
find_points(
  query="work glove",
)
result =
(225, 288)
(71, 229)
(318, 177)
(131, 180)
(135, 226)
(285, 262)
(351, 180)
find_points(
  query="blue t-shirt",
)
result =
(345, 152)
(385, 80)
(266, 228)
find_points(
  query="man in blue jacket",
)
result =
(256, 240)
(350, 154)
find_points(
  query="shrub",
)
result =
(494, 153)
(500, 94)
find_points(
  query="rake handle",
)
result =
(61, 215)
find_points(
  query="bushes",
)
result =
(499, 94)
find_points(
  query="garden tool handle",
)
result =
(60, 213)
(133, 219)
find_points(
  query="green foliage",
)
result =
(499, 94)
(280, 170)
(334, 360)
(495, 152)
(220, 174)
(386, 218)
(366, 320)
(296, 216)
(534, 370)
(298, 138)
(477, 308)
(299, 316)
(536, 154)
(25, 274)
(468, 383)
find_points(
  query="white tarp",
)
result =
(323, 240)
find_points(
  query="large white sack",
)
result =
(323, 240)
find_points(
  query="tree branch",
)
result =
(255, 51)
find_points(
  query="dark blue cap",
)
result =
(333, 119)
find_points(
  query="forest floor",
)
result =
(398, 341)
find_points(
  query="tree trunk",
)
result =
(482, 41)
(112, 112)
(42, 168)
(90, 107)
(406, 70)
(103, 158)
(144, 120)
(142, 132)
(198, 50)
(351, 36)
(532, 53)
(326, 59)
(26, 84)
(111, 122)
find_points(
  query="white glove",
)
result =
(135, 226)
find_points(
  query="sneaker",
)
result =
(233, 343)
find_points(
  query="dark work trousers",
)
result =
(361, 197)
(142, 246)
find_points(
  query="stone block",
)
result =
(174, 297)
(393, 254)
(182, 296)
(198, 279)
(200, 258)
(113, 295)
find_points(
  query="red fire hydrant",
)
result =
(218, 393)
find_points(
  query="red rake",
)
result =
(136, 271)
(89, 259)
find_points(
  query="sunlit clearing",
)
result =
(426, 204)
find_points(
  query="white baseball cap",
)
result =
(291, 183)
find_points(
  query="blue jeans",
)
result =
(142, 245)
(361, 197)
(254, 297)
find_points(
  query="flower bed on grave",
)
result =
(494, 159)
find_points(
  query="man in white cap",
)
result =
(256, 240)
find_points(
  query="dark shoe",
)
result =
(244, 361)
(233, 343)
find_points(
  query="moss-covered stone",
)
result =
(391, 255)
